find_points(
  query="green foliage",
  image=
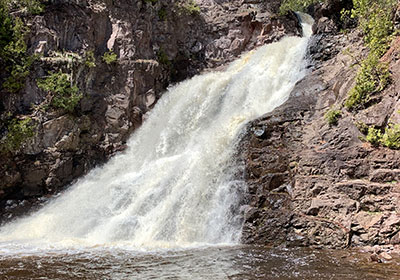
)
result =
(372, 77)
(110, 57)
(332, 116)
(13, 48)
(374, 136)
(391, 138)
(190, 7)
(151, 1)
(90, 60)
(375, 17)
(19, 131)
(6, 28)
(66, 95)
(162, 14)
(296, 5)
(30, 7)
(375, 20)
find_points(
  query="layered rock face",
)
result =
(317, 184)
(156, 42)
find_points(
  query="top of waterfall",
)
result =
(306, 22)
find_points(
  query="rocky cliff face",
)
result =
(156, 42)
(317, 184)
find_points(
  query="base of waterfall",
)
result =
(217, 263)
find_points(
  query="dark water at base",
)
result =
(240, 262)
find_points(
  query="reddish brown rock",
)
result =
(335, 189)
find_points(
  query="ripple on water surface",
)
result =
(239, 262)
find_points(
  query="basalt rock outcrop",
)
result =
(315, 184)
(156, 42)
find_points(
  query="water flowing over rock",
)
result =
(177, 183)
(156, 44)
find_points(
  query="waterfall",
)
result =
(176, 185)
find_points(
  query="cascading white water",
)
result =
(175, 184)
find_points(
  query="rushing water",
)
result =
(177, 184)
(169, 206)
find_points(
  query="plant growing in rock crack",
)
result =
(90, 60)
(190, 7)
(162, 14)
(65, 95)
(373, 136)
(18, 132)
(109, 57)
(372, 77)
(332, 116)
(13, 49)
(389, 138)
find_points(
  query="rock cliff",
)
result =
(320, 184)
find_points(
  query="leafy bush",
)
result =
(190, 7)
(90, 61)
(18, 132)
(66, 96)
(162, 14)
(13, 30)
(374, 136)
(296, 5)
(375, 17)
(375, 20)
(372, 77)
(110, 57)
(31, 7)
(391, 138)
(332, 116)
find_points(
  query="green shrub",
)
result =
(372, 77)
(66, 96)
(391, 138)
(19, 131)
(375, 18)
(6, 28)
(190, 7)
(332, 116)
(296, 5)
(13, 57)
(162, 14)
(90, 61)
(30, 7)
(110, 57)
(374, 136)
